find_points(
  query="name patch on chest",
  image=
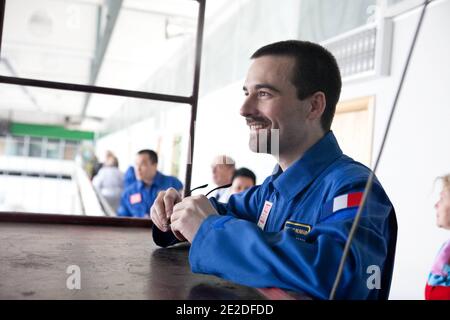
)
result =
(135, 198)
(299, 230)
(264, 214)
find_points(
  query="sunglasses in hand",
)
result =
(204, 186)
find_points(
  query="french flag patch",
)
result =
(344, 201)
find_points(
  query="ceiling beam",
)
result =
(103, 39)
(24, 89)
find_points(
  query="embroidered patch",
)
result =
(299, 230)
(344, 201)
(264, 214)
(135, 198)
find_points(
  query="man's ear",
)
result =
(318, 103)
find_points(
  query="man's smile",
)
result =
(258, 125)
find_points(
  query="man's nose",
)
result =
(248, 107)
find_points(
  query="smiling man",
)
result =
(290, 232)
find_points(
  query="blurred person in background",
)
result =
(129, 177)
(109, 181)
(243, 179)
(86, 159)
(138, 197)
(223, 168)
(438, 284)
(98, 165)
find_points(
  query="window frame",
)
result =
(191, 100)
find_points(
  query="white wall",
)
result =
(417, 149)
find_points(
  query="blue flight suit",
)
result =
(138, 198)
(129, 177)
(304, 235)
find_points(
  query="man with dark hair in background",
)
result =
(243, 179)
(138, 197)
(290, 231)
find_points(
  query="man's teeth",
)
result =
(257, 126)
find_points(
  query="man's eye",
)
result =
(263, 94)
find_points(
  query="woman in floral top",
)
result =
(438, 285)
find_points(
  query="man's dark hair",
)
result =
(244, 172)
(151, 155)
(315, 70)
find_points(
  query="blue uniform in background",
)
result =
(290, 231)
(129, 177)
(137, 199)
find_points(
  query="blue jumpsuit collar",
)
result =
(156, 181)
(303, 171)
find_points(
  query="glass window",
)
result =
(121, 44)
(15, 146)
(52, 149)
(2, 145)
(396, 7)
(65, 187)
(323, 19)
(70, 150)
(394, 2)
(35, 147)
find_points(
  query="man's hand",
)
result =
(189, 214)
(162, 208)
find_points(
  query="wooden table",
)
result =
(116, 257)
